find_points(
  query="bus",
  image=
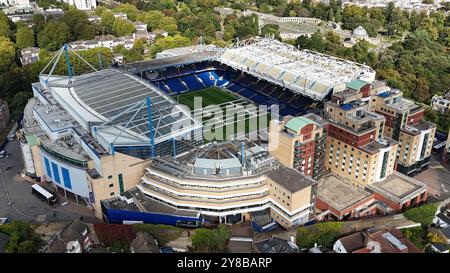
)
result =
(48, 197)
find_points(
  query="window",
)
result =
(111, 194)
(111, 185)
(109, 176)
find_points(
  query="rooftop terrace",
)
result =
(340, 194)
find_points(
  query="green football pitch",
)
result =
(210, 96)
(217, 96)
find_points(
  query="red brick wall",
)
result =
(416, 118)
(350, 138)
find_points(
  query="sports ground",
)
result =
(222, 98)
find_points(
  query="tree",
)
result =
(7, 53)
(152, 19)
(22, 238)
(4, 25)
(54, 35)
(25, 37)
(169, 42)
(211, 240)
(76, 20)
(321, 233)
(168, 24)
(271, 29)
(107, 21)
(123, 27)
(423, 214)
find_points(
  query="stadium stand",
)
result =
(196, 76)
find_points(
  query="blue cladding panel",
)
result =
(66, 177)
(56, 173)
(47, 167)
(118, 216)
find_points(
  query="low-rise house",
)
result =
(445, 232)
(144, 243)
(439, 248)
(391, 241)
(441, 220)
(275, 245)
(121, 15)
(29, 55)
(73, 238)
(108, 41)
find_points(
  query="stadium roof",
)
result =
(115, 102)
(302, 71)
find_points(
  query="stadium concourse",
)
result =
(109, 136)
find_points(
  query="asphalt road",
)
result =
(18, 203)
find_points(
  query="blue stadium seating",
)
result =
(192, 82)
(213, 73)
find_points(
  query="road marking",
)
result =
(41, 218)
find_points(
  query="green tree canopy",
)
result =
(169, 42)
(7, 53)
(22, 238)
(54, 35)
(211, 240)
(25, 37)
(4, 25)
(321, 233)
(123, 27)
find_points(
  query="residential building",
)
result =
(441, 103)
(405, 124)
(299, 143)
(390, 241)
(73, 238)
(144, 243)
(29, 55)
(108, 41)
(82, 4)
(361, 159)
(275, 245)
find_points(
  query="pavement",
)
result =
(436, 177)
(18, 203)
(379, 222)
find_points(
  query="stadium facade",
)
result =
(117, 139)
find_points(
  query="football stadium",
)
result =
(131, 143)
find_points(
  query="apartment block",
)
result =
(405, 124)
(299, 143)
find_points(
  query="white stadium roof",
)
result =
(302, 71)
(115, 102)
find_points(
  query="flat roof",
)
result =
(398, 187)
(296, 123)
(150, 205)
(338, 193)
(290, 179)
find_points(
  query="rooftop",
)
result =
(374, 146)
(302, 71)
(297, 123)
(415, 129)
(145, 204)
(338, 193)
(289, 178)
(276, 245)
(356, 84)
(398, 187)
(119, 99)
